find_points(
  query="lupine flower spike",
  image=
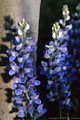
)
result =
(26, 97)
(74, 45)
(56, 66)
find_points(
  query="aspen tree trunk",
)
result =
(12, 11)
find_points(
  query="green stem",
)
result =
(68, 116)
(31, 116)
(27, 95)
(60, 110)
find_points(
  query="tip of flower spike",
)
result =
(78, 7)
(56, 31)
(56, 27)
(65, 12)
(25, 26)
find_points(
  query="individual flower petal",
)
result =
(18, 47)
(43, 111)
(37, 101)
(30, 74)
(32, 42)
(54, 35)
(21, 87)
(42, 72)
(34, 96)
(48, 86)
(46, 55)
(14, 66)
(64, 50)
(21, 114)
(44, 63)
(33, 68)
(51, 50)
(36, 82)
(17, 98)
(30, 60)
(23, 79)
(39, 108)
(17, 103)
(27, 70)
(21, 108)
(14, 85)
(20, 59)
(32, 91)
(30, 110)
(11, 72)
(17, 79)
(18, 92)
(25, 56)
(20, 32)
(12, 58)
(27, 27)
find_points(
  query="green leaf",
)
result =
(77, 103)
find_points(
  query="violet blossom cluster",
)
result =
(56, 66)
(26, 97)
(74, 43)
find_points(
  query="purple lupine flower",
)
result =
(21, 65)
(14, 68)
(56, 67)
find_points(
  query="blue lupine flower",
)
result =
(56, 67)
(14, 68)
(21, 64)
(12, 54)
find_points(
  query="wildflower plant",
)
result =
(74, 51)
(56, 67)
(74, 36)
(26, 98)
